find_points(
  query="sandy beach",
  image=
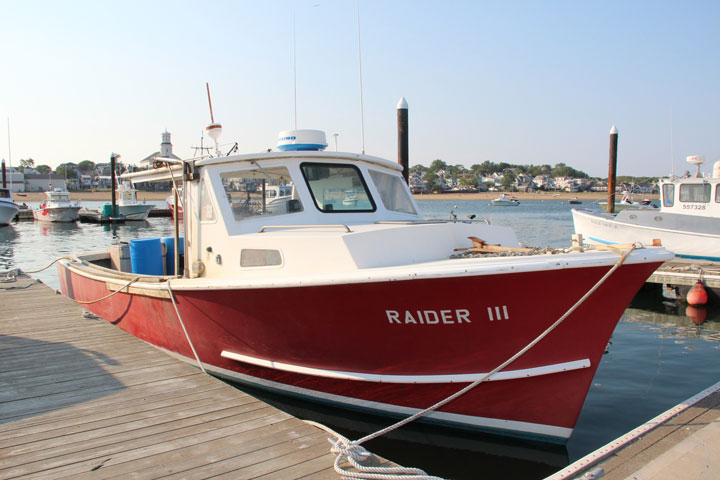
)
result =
(105, 196)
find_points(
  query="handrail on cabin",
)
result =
(347, 229)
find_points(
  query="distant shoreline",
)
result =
(154, 196)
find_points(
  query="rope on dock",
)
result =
(344, 448)
(358, 455)
(182, 324)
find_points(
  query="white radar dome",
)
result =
(296, 140)
(696, 159)
(716, 169)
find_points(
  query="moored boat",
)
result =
(687, 222)
(366, 305)
(57, 207)
(505, 201)
(8, 208)
(128, 205)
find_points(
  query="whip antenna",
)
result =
(214, 130)
(362, 117)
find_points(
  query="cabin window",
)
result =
(207, 211)
(668, 193)
(260, 192)
(337, 188)
(717, 193)
(256, 257)
(393, 193)
(696, 193)
(4, 193)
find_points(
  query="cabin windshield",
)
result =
(337, 188)
(249, 192)
(393, 193)
(4, 193)
(60, 198)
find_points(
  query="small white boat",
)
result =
(8, 208)
(57, 207)
(128, 205)
(505, 201)
(687, 223)
(627, 203)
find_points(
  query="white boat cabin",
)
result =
(698, 197)
(345, 212)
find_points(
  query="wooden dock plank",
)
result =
(80, 398)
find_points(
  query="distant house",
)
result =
(36, 182)
(15, 179)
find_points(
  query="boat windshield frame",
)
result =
(330, 207)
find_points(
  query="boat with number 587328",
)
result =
(364, 303)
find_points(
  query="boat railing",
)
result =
(282, 227)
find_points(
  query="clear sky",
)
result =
(526, 82)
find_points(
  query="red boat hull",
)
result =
(416, 328)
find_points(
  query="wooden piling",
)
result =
(403, 142)
(612, 169)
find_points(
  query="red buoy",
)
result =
(697, 295)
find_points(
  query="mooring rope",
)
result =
(114, 292)
(182, 324)
(352, 450)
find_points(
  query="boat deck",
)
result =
(80, 398)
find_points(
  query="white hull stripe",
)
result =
(528, 429)
(372, 377)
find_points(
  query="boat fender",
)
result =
(697, 295)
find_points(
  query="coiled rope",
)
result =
(352, 450)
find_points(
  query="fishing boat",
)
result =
(128, 205)
(687, 222)
(57, 207)
(505, 201)
(8, 208)
(575, 201)
(367, 305)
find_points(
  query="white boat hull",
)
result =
(139, 211)
(56, 214)
(8, 210)
(603, 229)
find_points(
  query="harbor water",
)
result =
(660, 354)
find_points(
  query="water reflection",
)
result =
(8, 237)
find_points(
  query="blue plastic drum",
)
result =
(146, 256)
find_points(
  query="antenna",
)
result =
(362, 116)
(212, 119)
(294, 72)
(214, 129)
(672, 149)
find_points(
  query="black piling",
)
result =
(113, 157)
(612, 169)
(4, 173)
(403, 146)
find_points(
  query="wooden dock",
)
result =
(80, 398)
(687, 272)
(681, 443)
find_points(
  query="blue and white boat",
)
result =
(687, 223)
